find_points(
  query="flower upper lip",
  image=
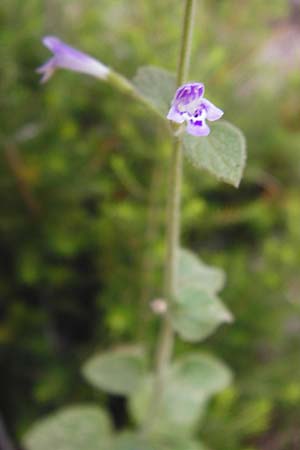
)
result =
(189, 106)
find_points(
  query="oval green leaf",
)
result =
(203, 374)
(196, 313)
(74, 428)
(118, 372)
(222, 153)
(131, 441)
(157, 86)
(188, 385)
(192, 270)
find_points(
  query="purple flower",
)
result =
(67, 57)
(189, 106)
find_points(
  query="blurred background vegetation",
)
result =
(82, 198)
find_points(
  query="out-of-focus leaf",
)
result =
(130, 441)
(183, 445)
(222, 153)
(188, 385)
(193, 271)
(118, 372)
(202, 374)
(176, 411)
(74, 428)
(157, 86)
(197, 313)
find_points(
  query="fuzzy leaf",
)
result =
(157, 86)
(193, 271)
(203, 374)
(181, 444)
(176, 411)
(196, 313)
(222, 153)
(118, 371)
(188, 385)
(131, 441)
(74, 428)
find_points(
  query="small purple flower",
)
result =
(189, 106)
(67, 57)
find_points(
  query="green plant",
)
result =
(167, 397)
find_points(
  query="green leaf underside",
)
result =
(157, 86)
(74, 428)
(222, 153)
(176, 413)
(193, 271)
(196, 310)
(197, 313)
(118, 371)
(202, 373)
(131, 441)
(188, 385)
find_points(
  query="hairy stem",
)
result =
(166, 340)
(174, 196)
(127, 87)
(148, 262)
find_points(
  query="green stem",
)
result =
(121, 83)
(186, 42)
(174, 196)
(165, 345)
(152, 230)
(124, 85)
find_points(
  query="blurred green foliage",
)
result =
(82, 195)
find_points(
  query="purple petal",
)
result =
(53, 43)
(70, 58)
(189, 92)
(212, 112)
(189, 106)
(198, 128)
(66, 53)
(175, 115)
(47, 70)
(184, 101)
